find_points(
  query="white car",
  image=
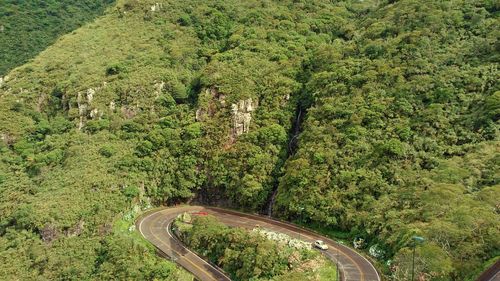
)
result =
(320, 245)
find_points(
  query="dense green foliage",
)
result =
(28, 27)
(400, 102)
(248, 255)
(402, 135)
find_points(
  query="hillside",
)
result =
(28, 27)
(402, 136)
(367, 119)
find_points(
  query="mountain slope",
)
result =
(28, 27)
(169, 102)
(402, 136)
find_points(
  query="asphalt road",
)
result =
(154, 226)
(491, 274)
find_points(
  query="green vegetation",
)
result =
(28, 27)
(248, 255)
(399, 139)
(398, 108)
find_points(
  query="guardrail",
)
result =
(175, 236)
(303, 229)
(339, 273)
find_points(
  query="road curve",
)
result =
(154, 226)
(491, 274)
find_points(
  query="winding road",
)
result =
(155, 227)
(491, 274)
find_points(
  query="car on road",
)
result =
(320, 245)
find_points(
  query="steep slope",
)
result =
(402, 137)
(146, 104)
(63, 188)
(159, 103)
(28, 27)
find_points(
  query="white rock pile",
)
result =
(283, 239)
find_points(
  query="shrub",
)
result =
(184, 20)
(393, 148)
(144, 148)
(61, 125)
(131, 126)
(115, 69)
(107, 150)
(94, 126)
(130, 192)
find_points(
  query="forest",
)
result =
(250, 255)
(374, 120)
(28, 27)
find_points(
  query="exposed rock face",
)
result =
(64, 102)
(217, 100)
(219, 96)
(159, 88)
(3, 80)
(76, 229)
(94, 113)
(128, 112)
(213, 102)
(241, 115)
(7, 138)
(84, 101)
(200, 112)
(156, 7)
(82, 109)
(90, 95)
(41, 101)
(285, 99)
(49, 233)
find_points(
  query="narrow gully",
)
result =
(291, 149)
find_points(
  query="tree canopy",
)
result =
(369, 119)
